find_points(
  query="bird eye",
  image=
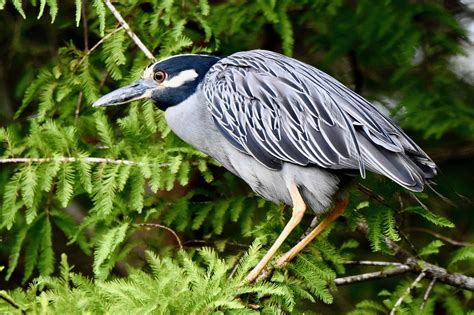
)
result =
(159, 76)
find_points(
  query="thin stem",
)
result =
(156, 225)
(427, 293)
(85, 27)
(78, 105)
(441, 237)
(132, 35)
(89, 51)
(407, 292)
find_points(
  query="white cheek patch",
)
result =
(148, 73)
(180, 79)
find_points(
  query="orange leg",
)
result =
(299, 208)
(338, 210)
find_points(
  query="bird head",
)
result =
(167, 82)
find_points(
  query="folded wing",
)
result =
(278, 109)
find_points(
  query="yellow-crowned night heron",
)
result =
(286, 128)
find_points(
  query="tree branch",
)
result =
(418, 265)
(132, 35)
(68, 159)
(373, 263)
(373, 275)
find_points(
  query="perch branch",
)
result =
(132, 35)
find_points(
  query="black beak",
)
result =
(135, 91)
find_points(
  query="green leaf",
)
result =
(106, 246)
(430, 249)
(46, 253)
(137, 188)
(78, 4)
(65, 184)
(29, 185)
(10, 205)
(53, 9)
(100, 10)
(19, 237)
(84, 170)
(19, 7)
(462, 254)
(114, 53)
(430, 216)
(86, 79)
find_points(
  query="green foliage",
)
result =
(109, 186)
(190, 284)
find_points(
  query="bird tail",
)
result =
(411, 170)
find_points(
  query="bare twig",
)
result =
(418, 265)
(427, 293)
(408, 290)
(85, 27)
(371, 194)
(160, 226)
(373, 275)
(441, 237)
(372, 263)
(78, 105)
(69, 159)
(132, 35)
(236, 264)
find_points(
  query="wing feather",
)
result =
(278, 109)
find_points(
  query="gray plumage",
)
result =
(277, 122)
(316, 184)
(280, 110)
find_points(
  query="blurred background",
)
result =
(414, 59)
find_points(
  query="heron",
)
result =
(292, 132)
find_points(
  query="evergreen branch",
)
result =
(4, 296)
(68, 159)
(418, 265)
(156, 225)
(427, 293)
(132, 35)
(89, 51)
(407, 292)
(373, 275)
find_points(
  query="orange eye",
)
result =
(159, 76)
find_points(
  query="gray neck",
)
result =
(191, 121)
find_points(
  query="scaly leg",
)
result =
(299, 208)
(338, 210)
